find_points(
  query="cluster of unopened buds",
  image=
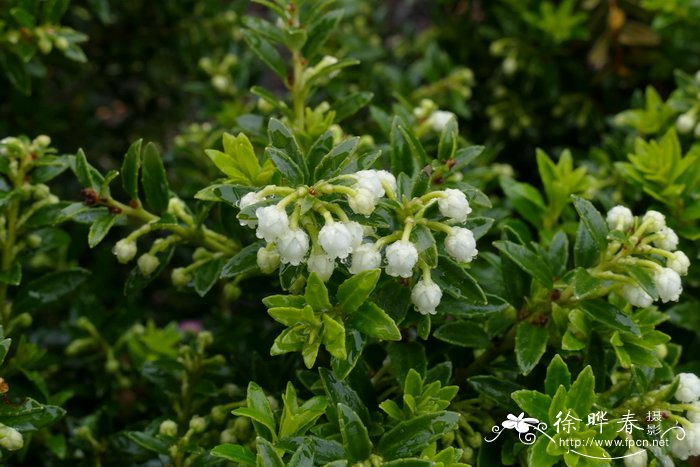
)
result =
(654, 248)
(688, 393)
(305, 228)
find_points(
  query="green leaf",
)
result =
(29, 415)
(557, 375)
(149, 442)
(463, 334)
(594, 222)
(644, 278)
(581, 395)
(206, 276)
(405, 356)
(414, 144)
(48, 289)
(558, 254)
(526, 200)
(12, 276)
(372, 321)
(100, 228)
(242, 155)
(585, 251)
(316, 294)
(534, 404)
(350, 105)
(267, 53)
(244, 261)
(457, 282)
(609, 315)
(401, 157)
(355, 291)
(234, 453)
(527, 261)
(289, 169)
(530, 345)
(303, 456)
(130, 169)
(411, 436)
(155, 182)
(336, 160)
(586, 285)
(258, 408)
(267, 456)
(338, 392)
(354, 345)
(16, 72)
(423, 239)
(496, 389)
(354, 433)
(447, 147)
(84, 172)
(274, 301)
(334, 337)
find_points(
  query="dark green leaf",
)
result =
(351, 104)
(13, 275)
(496, 389)
(530, 345)
(48, 289)
(354, 345)
(234, 453)
(340, 392)
(448, 140)
(354, 433)
(336, 160)
(130, 169)
(267, 53)
(289, 169)
(244, 261)
(534, 404)
(405, 356)
(410, 437)
(609, 315)
(149, 442)
(594, 222)
(267, 453)
(155, 182)
(527, 261)
(463, 334)
(557, 375)
(206, 276)
(100, 228)
(581, 395)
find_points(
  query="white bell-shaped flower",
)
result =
(619, 218)
(272, 222)
(293, 246)
(336, 240)
(668, 284)
(426, 296)
(401, 258)
(461, 245)
(364, 258)
(680, 263)
(321, 264)
(454, 205)
(636, 296)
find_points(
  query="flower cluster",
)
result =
(688, 392)
(654, 248)
(432, 117)
(305, 227)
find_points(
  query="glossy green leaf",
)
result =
(351, 104)
(609, 315)
(528, 261)
(234, 453)
(405, 356)
(355, 291)
(447, 147)
(100, 228)
(244, 261)
(594, 222)
(130, 169)
(374, 322)
(289, 169)
(463, 334)
(316, 294)
(303, 456)
(581, 395)
(154, 180)
(207, 275)
(557, 375)
(336, 160)
(410, 437)
(530, 345)
(13, 275)
(338, 392)
(267, 456)
(49, 289)
(354, 345)
(535, 404)
(354, 433)
(267, 53)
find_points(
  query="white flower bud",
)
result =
(10, 438)
(362, 202)
(293, 246)
(685, 123)
(401, 257)
(364, 258)
(454, 205)
(668, 240)
(438, 120)
(272, 222)
(268, 260)
(426, 296)
(688, 388)
(148, 263)
(336, 240)
(619, 218)
(125, 250)
(655, 219)
(198, 424)
(693, 414)
(668, 284)
(168, 428)
(356, 231)
(461, 245)
(42, 141)
(248, 199)
(369, 180)
(689, 445)
(509, 65)
(179, 277)
(680, 263)
(636, 457)
(321, 264)
(387, 180)
(636, 296)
